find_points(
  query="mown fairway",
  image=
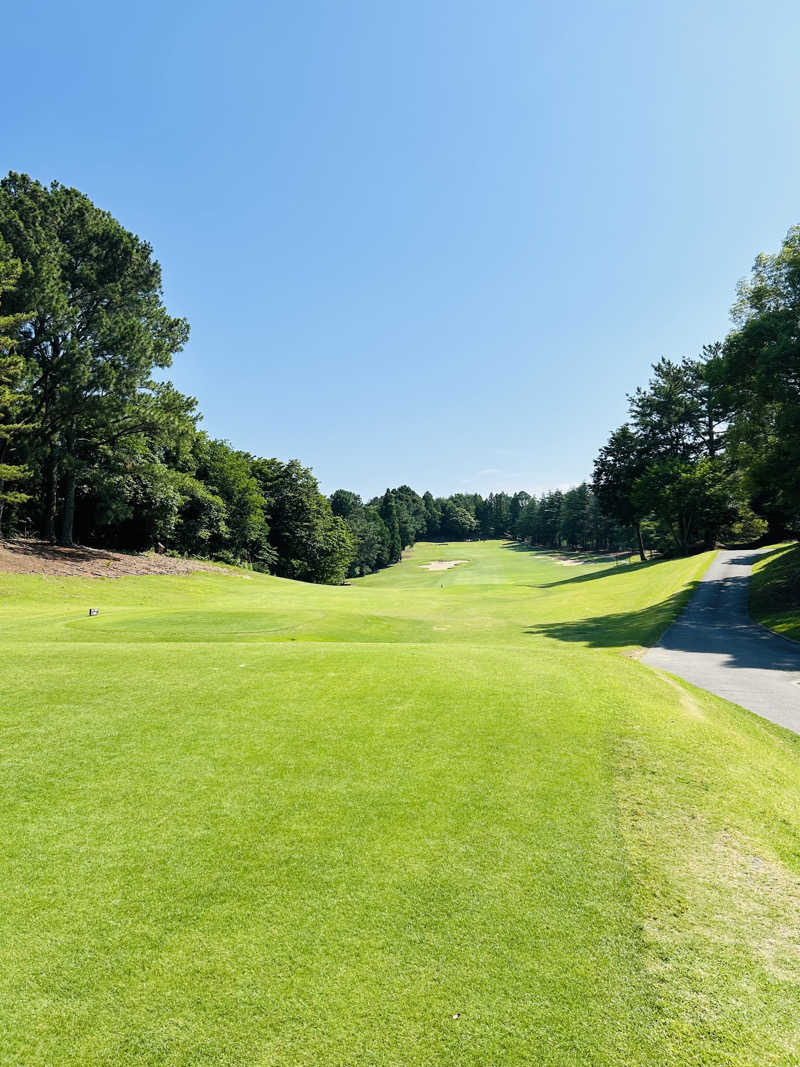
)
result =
(431, 818)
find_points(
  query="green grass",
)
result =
(775, 590)
(429, 818)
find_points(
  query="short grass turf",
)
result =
(775, 590)
(429, 818)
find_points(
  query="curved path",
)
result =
(714, 644)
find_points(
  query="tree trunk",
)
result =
(68, 519)
(642, 556)
(50, 498)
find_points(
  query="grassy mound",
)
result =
(432, 817)
(775, 590)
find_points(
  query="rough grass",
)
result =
(430, 818)
(775, 590)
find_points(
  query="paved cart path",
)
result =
(715, 645)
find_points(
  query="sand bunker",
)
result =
(442, 564)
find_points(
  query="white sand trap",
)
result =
(442, 564)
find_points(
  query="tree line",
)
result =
(711, 449)
(96, 448)
(384, 526)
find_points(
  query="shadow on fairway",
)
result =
(625, 568)
(608, 566)
(617, 630)
(720, 629)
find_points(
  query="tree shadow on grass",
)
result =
(781, 566)
(610, 567)
(583, 556)
(618, 629)
(695, 626)
(776, 587)
(624, 568)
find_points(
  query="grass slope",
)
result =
(430, 818)
(775, 590)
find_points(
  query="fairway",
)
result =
(429, 817)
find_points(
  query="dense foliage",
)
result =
(712, 447)
(11, 399)
(92, 446)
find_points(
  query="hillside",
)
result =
(430, 817)
(775, 591)
(29, 556)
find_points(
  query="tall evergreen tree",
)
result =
(525, 528)
(433, 516)
(388, 513)
(501, 515)
(95, 329)
(618, 466)
(12, 396)
(760, 370)
(519, 501)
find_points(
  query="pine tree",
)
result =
(388, 513)
(94, 331)
(12, 368)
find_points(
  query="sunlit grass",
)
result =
(431, 817)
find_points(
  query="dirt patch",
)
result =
(442, 564)
(38, 557)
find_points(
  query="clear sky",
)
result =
(432, 243)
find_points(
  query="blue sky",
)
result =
(432, 243)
